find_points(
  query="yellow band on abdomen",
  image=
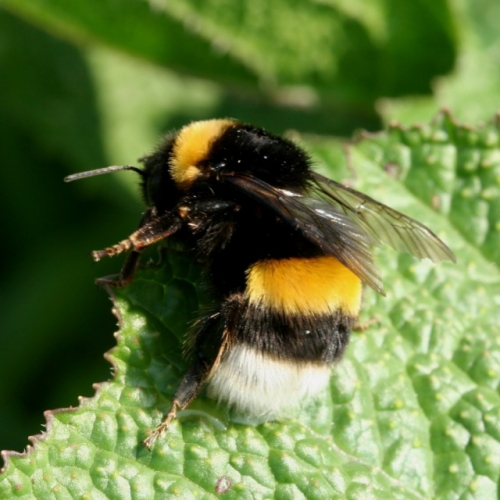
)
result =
(317, 285)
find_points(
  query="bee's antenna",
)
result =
(100, 171)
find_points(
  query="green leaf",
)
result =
(413, 410)
(344, 49)
(471, 90)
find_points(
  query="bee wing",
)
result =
(383, 224)
(328, 226)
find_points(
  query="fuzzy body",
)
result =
(287, 328)
(283, 309)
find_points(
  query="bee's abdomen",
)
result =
(304, 286)
(283, 333)
(297, 309)
(318, 338)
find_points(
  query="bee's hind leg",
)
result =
(191, 384)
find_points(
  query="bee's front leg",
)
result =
(126, 275)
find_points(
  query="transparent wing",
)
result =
(329, 227)
(381, 223)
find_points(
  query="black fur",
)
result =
(320, 338)
(231, 240)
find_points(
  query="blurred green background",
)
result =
(85, 84)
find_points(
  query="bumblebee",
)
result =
(286, 252)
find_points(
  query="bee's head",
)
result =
(182, 163)
(201, 154)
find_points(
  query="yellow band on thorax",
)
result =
(192, 146)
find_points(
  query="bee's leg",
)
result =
(191, 384)
(131, 263)
(210, 343)
(126, 275)
(156, 230)
(150, 231)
